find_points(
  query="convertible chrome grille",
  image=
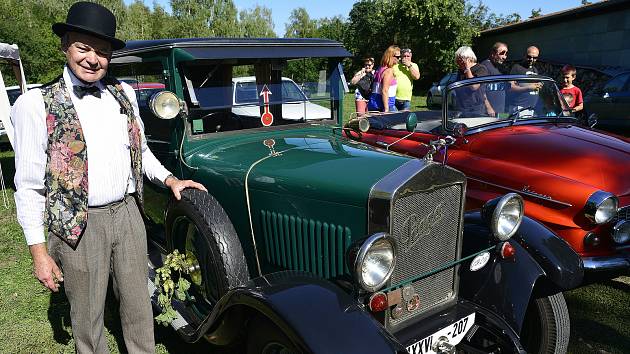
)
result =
(426, 227)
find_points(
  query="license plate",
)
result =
(454, 333)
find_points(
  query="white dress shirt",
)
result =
(107, 140)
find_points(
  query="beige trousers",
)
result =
(114, 239)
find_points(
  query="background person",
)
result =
(524, 94)
(472, 102)
(495, 92)
(572, 94)
(405, 72)
(383, 97)
(360, 99)
(93, 222)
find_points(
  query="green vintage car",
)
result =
(308, 241)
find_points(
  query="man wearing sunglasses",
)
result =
(405, 72)
(495, 92)
(525, 94)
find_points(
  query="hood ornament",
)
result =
(437, 145)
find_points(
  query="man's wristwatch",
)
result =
(169, 176)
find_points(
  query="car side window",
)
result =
(617, 83)
(445, 80)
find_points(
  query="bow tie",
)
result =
(81, 91)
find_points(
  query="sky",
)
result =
(281, 9)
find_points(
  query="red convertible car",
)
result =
(574, 179)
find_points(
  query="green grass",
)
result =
(36, 321)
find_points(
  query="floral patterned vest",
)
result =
(66, 178)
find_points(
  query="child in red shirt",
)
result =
(572, 94)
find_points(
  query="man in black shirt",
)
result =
(525, 94)
(495, 92)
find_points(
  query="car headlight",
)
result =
(165, 105)
(504, 215)
(621, 232)
(375, 261)
(601, 207)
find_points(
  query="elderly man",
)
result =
(405, 72)
(92, 215)
(495, 92)
(472, 102)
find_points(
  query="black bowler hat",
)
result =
(92, 19)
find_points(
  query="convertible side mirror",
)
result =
(411, 122)
(459, 130)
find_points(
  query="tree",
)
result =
(300, 25)
(482, 19)
(536, 13)
(256, 22)
(433, 29)
(205, 18)
(332, 28)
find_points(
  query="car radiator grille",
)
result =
(426, 228)
(302, 244)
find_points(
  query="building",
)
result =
(589, 36)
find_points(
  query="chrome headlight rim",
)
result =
(595, 201)
(620, 227)
(161, 97)
(495, 217)
(362, 254)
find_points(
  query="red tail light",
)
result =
(378, 302)
(507, 251)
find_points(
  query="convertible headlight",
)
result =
(601, 207)
(375, 261)
(621, 232)
(165, 105)
(504, 215)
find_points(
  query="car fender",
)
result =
(506, 286)
(315, 314)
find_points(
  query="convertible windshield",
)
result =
(504, 100)
(240, 94)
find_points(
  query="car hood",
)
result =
(311, 162)
(564, 151)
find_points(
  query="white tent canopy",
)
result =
(11, 54)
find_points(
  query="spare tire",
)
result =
(197, 223)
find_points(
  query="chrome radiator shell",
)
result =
(421, 205)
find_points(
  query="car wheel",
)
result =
(198, 224)
(430, 103)
(546, 328)
(264, 337)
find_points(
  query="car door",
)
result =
(606, 104)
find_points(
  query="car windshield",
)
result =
(246, 92)
(243, 94)
(504, 100)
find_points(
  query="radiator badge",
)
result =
(415, 227)
(479, 261)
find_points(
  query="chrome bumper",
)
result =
(616, 263)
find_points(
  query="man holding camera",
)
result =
(405, 72)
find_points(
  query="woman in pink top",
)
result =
(383, 96)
